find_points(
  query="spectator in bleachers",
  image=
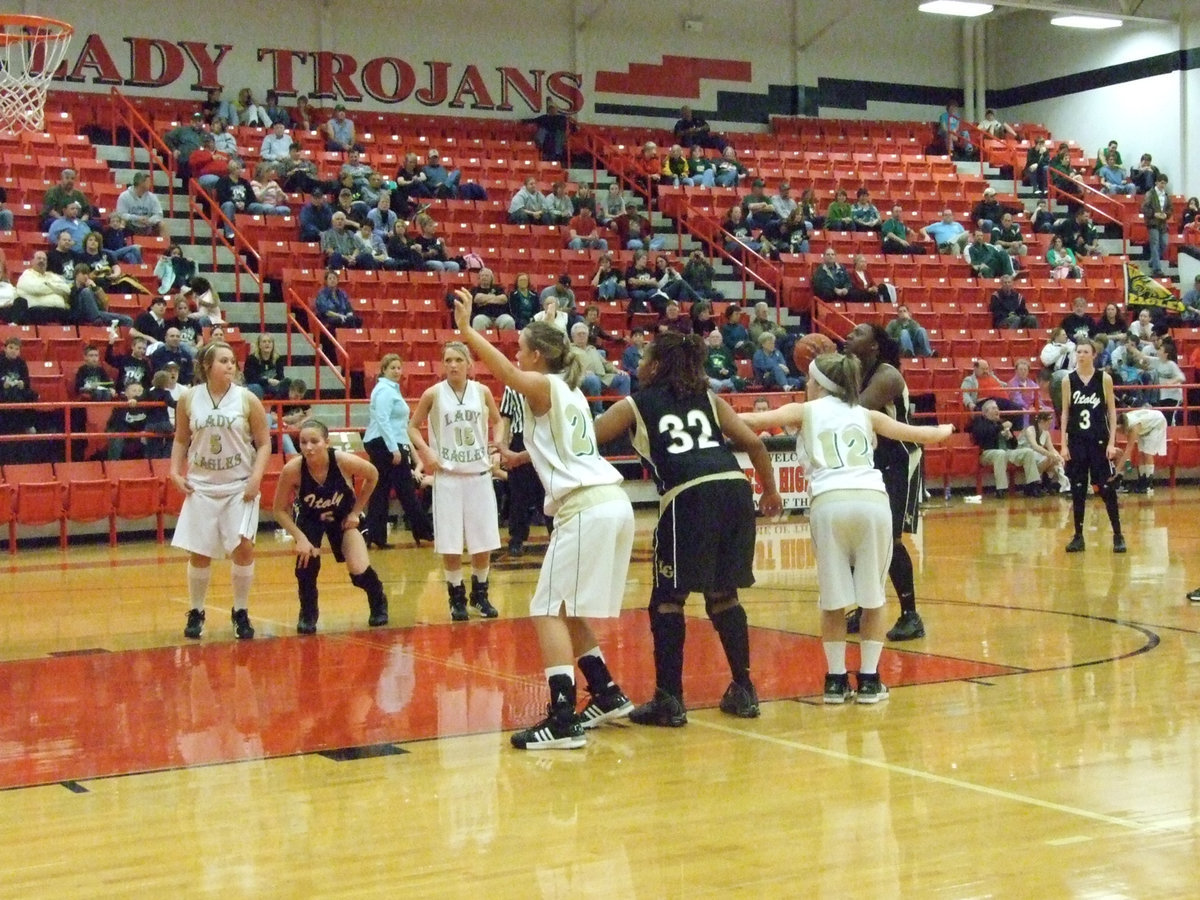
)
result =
(770, 366)
(491, 304)
(373, 242)
(400, 247)
(839, 216)
(61, 258)
(191, 325)
(691, 130)
(720, 367)
(1112, 322)
(441, 181)
(6, 214)
(988, 211)
(347, 203)
(998, 448)
(1190, 314)
(333, 305)
(562, 294)
(87, 300)
(647, 168)
(172, 350)
(410, 185)
(140, 209)
(70, 222)
(551, 134)
(304, 116)
(583, 232)
(431, 247)
(983, 384)
(183, 141)
(151, 323)
(1191, 213)
(14, 381)
(1078, 324)
(92, 380)
(864, 213)
(791, 234)
(131, 367)
(728, 168)
(702, 171)
(702, 318)
(235, 194)
(1141, 330)
(356, 168)
(208, 302)
(56, 199)
(1079, 234)
(631, 357)
(608, 282)
(523, 302)
(987, 260)
(863, 287)
(808, 209)
(1102, 156)
(897, 236)
(1145, 174)
(601, 376)
(277, 143)
(528, 206)
(42, 295)
(735, 334)
(299, 174)
(640, 283)
(270, 193)
(173, 268)
(671, 283)
(553, 315)
(1061, 260)
(783, 203)
(1037, 167)
(1025, 389)
(316, 216)
(160, 412)
(673, 320)
(758, 212)
(636, 232)
(208, 163)
(908, 333)
(831, 281)
(342, 247)
(1007, 236)
(953, 136)
(215, 107)
(369, 195)
(741, 235)
(1157, 209)
(117, 240)
(1113, 179)
(1166, 371)
(130, 417)
(264, 370)
(1062, 171)
(761, 323)
(339, 131)
(675, 167)
(996, 128)
(1008, 307)
(699, 273)
(276, 113)
(1042, 220)
(611, 205)
(947, 235)
(558, 206)
(596, 332)
(582, 197)
(381, 215)
(223, 139)
(250, 113)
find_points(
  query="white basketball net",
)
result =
(31, 48)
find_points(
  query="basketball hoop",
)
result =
(32, 48)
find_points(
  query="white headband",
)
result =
(815, 374)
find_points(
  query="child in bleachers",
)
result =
(92, 381)
(131, 417)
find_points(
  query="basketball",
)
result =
(809, 348)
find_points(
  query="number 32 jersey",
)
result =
(837, 447)
(680, 439)
(562, 446)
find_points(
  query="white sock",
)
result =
(595, 651)
(454, 578)
(835, 657)
(481, 575)
(198, 580)
(242, 578)
(569, 671)
(1147, 470)
(870, 651)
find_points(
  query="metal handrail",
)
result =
(318, 330)
(217, 221)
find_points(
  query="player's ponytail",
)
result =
(677, 361)
(843, 371)
(560, 356)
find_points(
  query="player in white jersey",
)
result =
(222, 444)
(1145, 429)
(851, 515)
(461, 413)
(587, 561)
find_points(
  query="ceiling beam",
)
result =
(1069, 9)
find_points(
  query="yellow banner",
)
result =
(1142, 290)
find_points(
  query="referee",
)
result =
(525, 491)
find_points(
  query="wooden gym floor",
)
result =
(1042, 741)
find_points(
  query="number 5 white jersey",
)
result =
(562, 445)
(837, 447)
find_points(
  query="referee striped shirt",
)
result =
(513, 409)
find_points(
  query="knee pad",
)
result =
(306, 580)
(366, 580)
(660, 597)
(717, 602)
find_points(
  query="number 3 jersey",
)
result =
(222, 448)
(680, 439)
(562, 445)
(837, 447)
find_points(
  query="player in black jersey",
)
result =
(1089, 425)
(883, 389)
(319, 486)
(704, 540)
